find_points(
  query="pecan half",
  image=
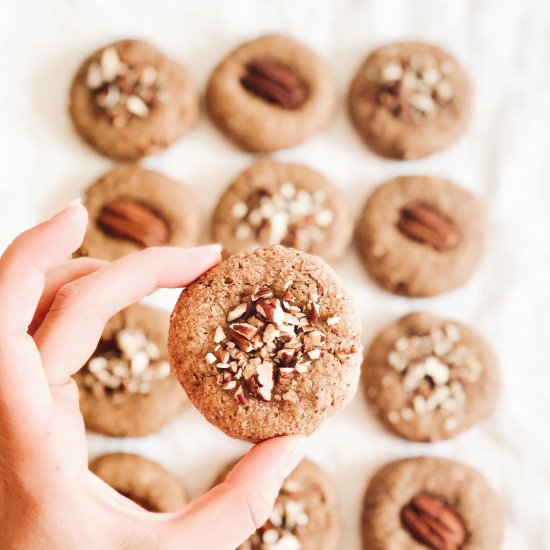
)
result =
(424, 223)
(274, 83)
(129, 219)
(433, 523)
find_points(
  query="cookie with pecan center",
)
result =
(409, 100)
(421, 235)
(130, 208)
(304, 516)
(143, 481)
(431, 503)
(429, 379)
(129, 100)
(127, 388)
(266, 344)
(274, 203)
(271, 93)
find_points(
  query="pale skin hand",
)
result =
(52, 313)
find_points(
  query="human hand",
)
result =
(52, 313)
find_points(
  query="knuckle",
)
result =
(68, 297)
(258, 507)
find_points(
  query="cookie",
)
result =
(140, 480)
(420, 235)
(429, 379)
(420, 503)
(266, 344)
(130, 208)
(129, 100)
(304, 516)
(290, 204)
(126, 388)
(271, 93)
(410, 99)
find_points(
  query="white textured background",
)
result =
(503, 157)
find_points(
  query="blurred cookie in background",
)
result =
(271, 93)
(129, 100)
(410, 99)
(277, 203)
(304, 516)
(127, 388)
(431, 503)
(145, 482)
(131, 208)
(421, 235)
(429, 379)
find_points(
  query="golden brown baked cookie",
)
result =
(141, 480)
(429, 379)
(421, 235)
(127, 387)
(410, 99)
(267, 344)
(271, 93)
(129, 100)
(276, 203)
(430, 503)
(130, 208)
(304, 516)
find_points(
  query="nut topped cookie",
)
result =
(274, 203)
(304, 516)
(410, 99)
(266, 344)
(130, 208)
(271, 93)
(429, 379)
(431, 503)
(127, 388)
(146, 483)
(129, 100)
(420, 235)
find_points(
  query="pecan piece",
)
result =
(129, 219)
(433, 523)
(274, 83)
(424, 223)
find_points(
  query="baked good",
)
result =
(127, 388)
(278, 203)
(271, 93)
(410, 99)
(421, 235)
(429, 379)
(266, 344)
(128, 100)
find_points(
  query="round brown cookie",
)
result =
(429, 379)
(420, 235)
(130, 208)
(129, 100)
(140, 480)
(290, 204)
(270, 93)
(409, 100)
(304, 516)
(420, 503)
(127, 388)
(266, 344)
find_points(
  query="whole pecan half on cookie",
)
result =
(275, 83)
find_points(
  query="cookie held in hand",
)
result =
(267, 344)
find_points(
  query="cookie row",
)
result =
(407, 100)
(417, 235)
(431, 502)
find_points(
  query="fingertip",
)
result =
(72, 206)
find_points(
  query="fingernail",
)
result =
(70, 206)
(209, 249)
(295, 454)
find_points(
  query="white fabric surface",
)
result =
(506, 47)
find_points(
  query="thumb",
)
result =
(229, 513)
